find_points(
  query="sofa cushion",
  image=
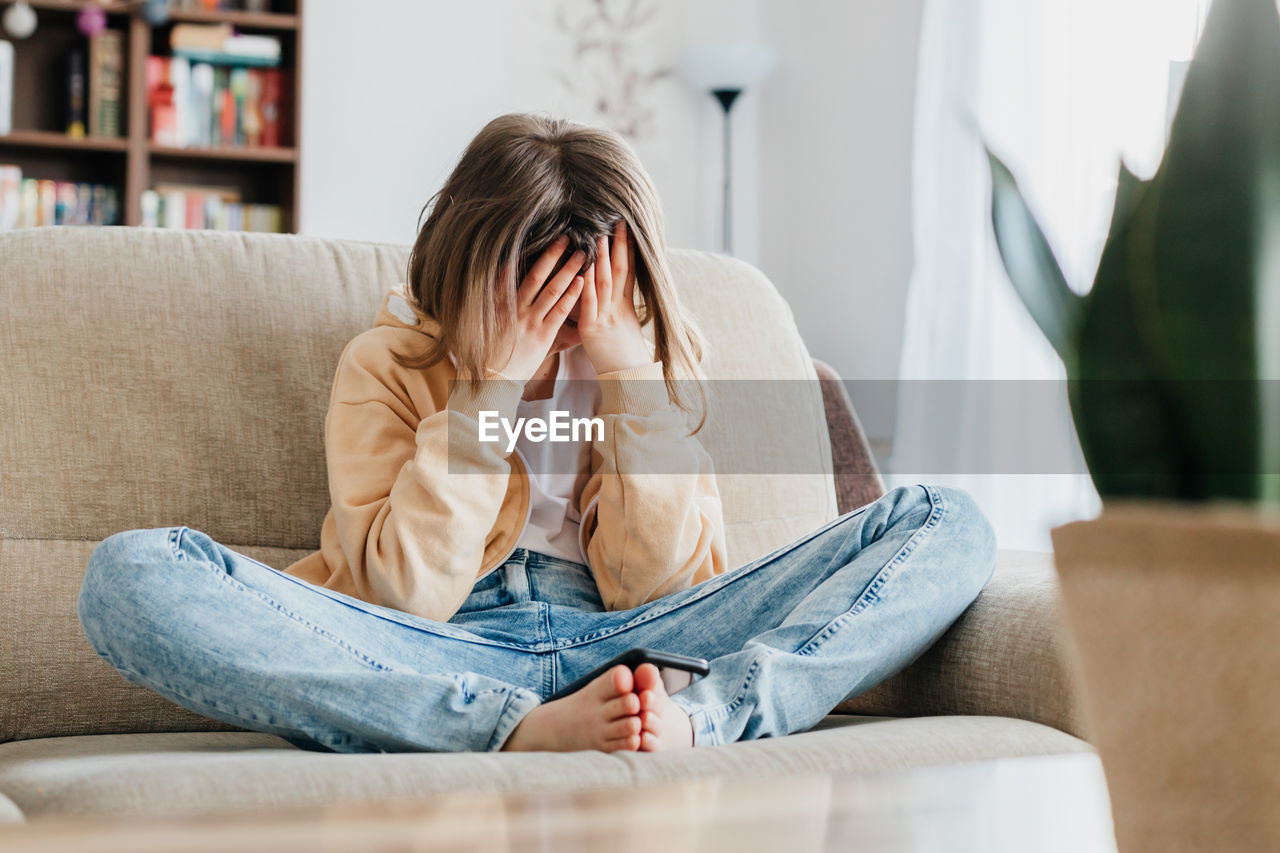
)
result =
(158, 377)
(208, 773)
(9, 811)
(1007, 655)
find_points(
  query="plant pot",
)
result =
(1174, 613)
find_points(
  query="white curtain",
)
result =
(1062, 91)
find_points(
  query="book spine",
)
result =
(239, 87)
(76, 94)
(48, 210)
(195, 210)
(112, 81)
(110, 205)
(164, 127)
(150, 209)
(6, 86)
(253, 109)
(271, 89)
(202, 89)
(180, 77)
(10, 197)
(175, 209)
(87, 212)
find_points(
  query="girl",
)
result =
(460, 581)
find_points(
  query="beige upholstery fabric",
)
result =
(1007, 655)
(123, 775)
(155, 378)
(9, 811)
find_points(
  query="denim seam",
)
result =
(174, 542)
(508, 710)
(721, 712)
(707, 587)
(436, 629)
(937, 510)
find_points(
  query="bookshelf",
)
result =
(133, 162)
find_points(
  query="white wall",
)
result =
(835, 194)
(394, 89)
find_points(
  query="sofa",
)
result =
(154, 378)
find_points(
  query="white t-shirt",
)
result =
(558, 470)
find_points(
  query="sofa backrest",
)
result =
(155, 378)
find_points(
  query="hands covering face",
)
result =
(594, 307)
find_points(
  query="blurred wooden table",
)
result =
(1042, 804)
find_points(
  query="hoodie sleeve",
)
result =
(652, 523)
(414, 499)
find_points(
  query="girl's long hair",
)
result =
(524, 180)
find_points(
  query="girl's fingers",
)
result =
(604, 278)
(559, 283)
(619, 256)
(629, 289)
(541, 268)
(561, 309)
(587, 313)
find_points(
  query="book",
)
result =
(223, 105)
(201, 104)
(253, 108)
(164, 118)
(239, 90)
(87, 212)
(150, 209)
(48, 202)
(66, 203)
(29, 203)
(174, 209)
(106, 69)
(204, 206)
(180, 79)
(10, 197)
(110, 204)
(75, 106)
(199, 36)
(6, 86)
(272, 87)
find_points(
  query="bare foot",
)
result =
(664, 724)
(604, 715)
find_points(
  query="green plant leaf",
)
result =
(1209, 269)
(1030, 262)
(1129, 428)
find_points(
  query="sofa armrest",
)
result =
(1008, 655)
(857, 480)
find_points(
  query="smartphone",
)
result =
(678, 671)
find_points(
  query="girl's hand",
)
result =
(607, 321)
(541, 310)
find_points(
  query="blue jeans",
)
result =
(789, 636)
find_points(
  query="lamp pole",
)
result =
(726, 97)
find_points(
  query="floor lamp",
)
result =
(726, 71)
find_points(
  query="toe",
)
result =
(649, 701)
(626, 705)
(650, 722)
(624, 728)
(649, 742)
(626, 743)
(620, 680)
(647, 677)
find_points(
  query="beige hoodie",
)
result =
(417, 517)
